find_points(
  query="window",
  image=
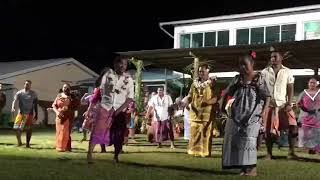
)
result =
(257, 35)
(210, 39)
(223, 38)
(185, 41)
(312, 30)
(242, 36)
(197, 40)
(272, 34)
(288, 32)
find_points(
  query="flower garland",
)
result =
(117, 87)
(202, 85)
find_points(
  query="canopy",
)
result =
(303, 54)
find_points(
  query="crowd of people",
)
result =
(256, 103)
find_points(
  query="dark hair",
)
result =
(60, 90)
(248, 56)
(29, 81)
(275, 50)
(314, 77)
(206, 66)
(117, 59)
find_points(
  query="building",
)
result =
(223, 39)
(47, 78)
(219, 41)
(283, 25)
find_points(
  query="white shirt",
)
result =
(278, 86)
(160, 106)
(116, 89)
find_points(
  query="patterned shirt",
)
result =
(116, 89)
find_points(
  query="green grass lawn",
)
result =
(140, 160)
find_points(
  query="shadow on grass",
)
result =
(303, 159)
(299, 159)
(42, 148)
(173, 152)
(273, 157)
(181, 168)
(7, 144)
(82, 162)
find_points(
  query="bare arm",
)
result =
(13, 105)
(290, 91)
(54, 106)
(188, 98)
(35, 106)
(212, 101)
(266, 105)
(88, 110)
(14, 102)
(83, 102)
(149, 110)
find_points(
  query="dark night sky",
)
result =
(91, 32)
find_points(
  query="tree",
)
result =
(138, 82)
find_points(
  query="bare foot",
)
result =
(251, 172)
(242, 172)
(115, 161)
(89, 158)
(269, 157)
(293, 156)
(311, 151)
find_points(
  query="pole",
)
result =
(165, 80)
(195, 68)
(184, 85)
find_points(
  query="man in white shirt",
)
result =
(161, 105)
(279, 115)
(117, 92)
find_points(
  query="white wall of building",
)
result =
(46, 83)
(233, 25)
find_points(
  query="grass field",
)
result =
(140, 160)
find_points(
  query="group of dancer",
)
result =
(260, 100)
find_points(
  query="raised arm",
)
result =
(83, 99)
